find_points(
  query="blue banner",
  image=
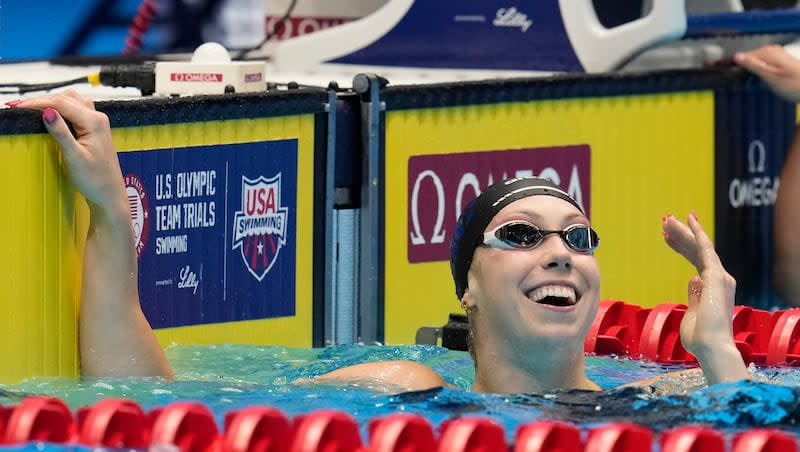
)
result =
(475, 34)
(215, 231)
(753, 131)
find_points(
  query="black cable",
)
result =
(278, 25)
(140, 76)
(22, 88)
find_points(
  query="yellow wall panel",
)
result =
(44, 233)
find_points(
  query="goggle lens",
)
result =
(578, 237)
(520, 234)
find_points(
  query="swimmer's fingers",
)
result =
(76, 109)
(718, 284)
(73, 95)
(777, 67)
(57, 127)
(708, 257)
(88, 149)
(764, 62)
(680, 238)
(85, 101)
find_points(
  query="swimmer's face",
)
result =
(549, 291)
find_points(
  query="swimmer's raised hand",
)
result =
(89, 154)
(778, 69)
(711, 294)
(706, 330)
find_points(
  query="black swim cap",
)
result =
(480, 211)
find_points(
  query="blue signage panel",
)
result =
(753, 130)
(215, 231)
(475, 34)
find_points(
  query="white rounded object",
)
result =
(211, 52)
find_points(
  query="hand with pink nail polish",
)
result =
(90, 155)
(115, 338)
(706, 329)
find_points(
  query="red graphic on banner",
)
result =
(139, 205)
(299, 26)
(439, 186)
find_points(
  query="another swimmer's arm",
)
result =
(706, 328)
(776, 67)
(786, 272)
(675, 376)
(115, 338)
(404, 375)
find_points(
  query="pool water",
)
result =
(231, 377)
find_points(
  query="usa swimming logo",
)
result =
(140, 208)
(259, 229)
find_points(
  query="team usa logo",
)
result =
(140, 208)
(259, 229)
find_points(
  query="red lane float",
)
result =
(326, 430)
(546, 436)
(114, 423)
(783, 344)
(191, 427)
(401, 432)
(39, 419)
(471, 434)
(188, 425)
(623, 329)
(661, 339)
(617, 329)
(764, 440)
(619, 437)
(256, 429)
(692, 439)
(752, 329)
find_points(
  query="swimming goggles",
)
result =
(518, 235)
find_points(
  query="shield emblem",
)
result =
(259, 229)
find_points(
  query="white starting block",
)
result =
(536, 37)
(547, 36)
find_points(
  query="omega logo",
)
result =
(757, 189)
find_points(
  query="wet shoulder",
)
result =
(409, 375)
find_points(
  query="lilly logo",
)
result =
(512, 17)
(259, 229)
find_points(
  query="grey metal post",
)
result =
(330, 302)
(369, 300)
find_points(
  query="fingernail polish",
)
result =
(13, 103)
(49, 115)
